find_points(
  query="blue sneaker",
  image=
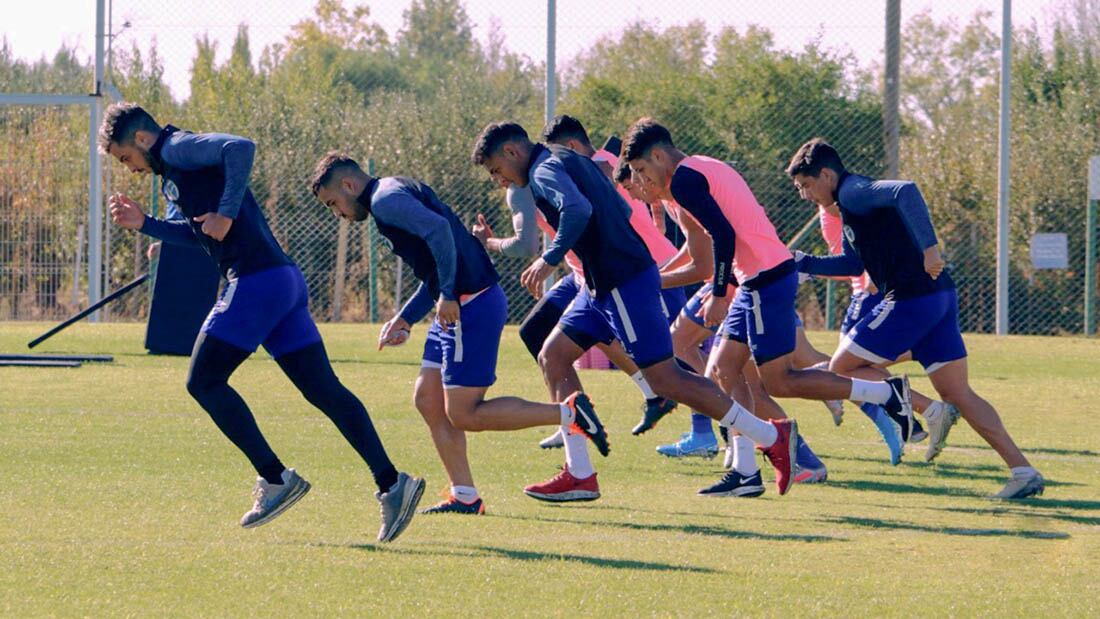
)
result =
(736, 485)
(691, 445)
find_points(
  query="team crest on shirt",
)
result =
(850, 235)
(171, 191)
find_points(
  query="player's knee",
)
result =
(530, 336)
(200, 385)
(464, 420)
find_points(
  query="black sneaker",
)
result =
(736, 485)
(652, 412)
(451, 505)
(586, 422)
(900, 405)
(919, 433)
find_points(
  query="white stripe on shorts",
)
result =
(664, 306)
(458, 341)
(849, 345)
(881, 318)
(631, 337)
(757, 315)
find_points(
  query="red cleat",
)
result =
(563, 487)
(782, 453)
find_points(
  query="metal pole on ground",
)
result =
(1003, 148)
(1090, 246)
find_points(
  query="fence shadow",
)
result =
(878, 523)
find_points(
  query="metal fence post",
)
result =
(551, 93)
(341, 270)
(892, 88)
(372, 271)
(1090, 246)
(95, 171)
(1003, 148)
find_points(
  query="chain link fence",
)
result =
(408, 85)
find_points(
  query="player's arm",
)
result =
(418, 305)
(905, 197)
(525, 242)
(691, 191)
(128, 214)
(232, 153)
(846, 263)
(574, 209)
(402, 210)
(699, 262)
(657, 212)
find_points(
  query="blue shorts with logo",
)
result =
(563, 291)
(695, 305)
(467, 352)
(270, 307)
(765, 318)
(673, 301)
(860, 305)
(633, 313)
(927, 325)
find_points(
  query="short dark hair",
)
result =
(644, 135)
(121, 122)
(622, 171)
(327, 167)
(813, 157)
(564, 127)
(493, 136)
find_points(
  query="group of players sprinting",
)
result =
(725, 353)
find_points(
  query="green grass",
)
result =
(118, 497)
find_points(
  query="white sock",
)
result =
(466, 494)
(744, 456)
(740, 419)
(643, 384)
(873, 391)
(567, 415)
(933, 412)
(1023, 472)
(576, 455)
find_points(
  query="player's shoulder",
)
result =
(854, 186)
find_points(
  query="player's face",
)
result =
(135, 158)
(505, 168)
(342, 202)
(651, 172)
(817, 189)
(634, 189)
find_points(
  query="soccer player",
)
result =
(460, 353)
(205, 177)
(622, 283)
(761, 322)
(888, 232)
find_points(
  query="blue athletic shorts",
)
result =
(927, 325)
(467, 352)
(584, 323)
(695, 303)
(765, 319)
(634, 312)
(672, 302)
(269, 307)
(860, 305)
(563, 292)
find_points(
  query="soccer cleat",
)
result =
(727, 461)
(782, 452)
(398, 505)
(919, 433)
(451, 505)
(691, 445)
(563, 488)
(891, 434)
(807, 475)
(836, 409)
(900, 405)
(274, 499)
(938, 430)
(586, 422)
(733, 484)
(1021, 488)
(554, 441)
(652, 412)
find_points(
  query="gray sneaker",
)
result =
(554, 441)
(836, 409)
(939, 429)
(1021, 488)
(398, 506)
(274, 499)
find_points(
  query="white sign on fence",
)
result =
(1094, 178)
(1050, 251)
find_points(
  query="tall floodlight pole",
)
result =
(95, 169)
(1002, 169)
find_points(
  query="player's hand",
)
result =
(482, 230)
(533, 276)
(715, 310)
(446, 312)
(933, 262)
(125, 212)
(394, 333)
(215, 225)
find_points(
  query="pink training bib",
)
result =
(659, 246)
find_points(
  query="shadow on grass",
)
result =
(877, 523)
(696, 529)
(899, 488)
(1053, 451)
(474, 552)
(1022, 510)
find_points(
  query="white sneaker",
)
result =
(836, 409)
(1022, 488)
(938, 428)
(274, 499)
(554, 441)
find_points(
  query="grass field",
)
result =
(118, 497)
